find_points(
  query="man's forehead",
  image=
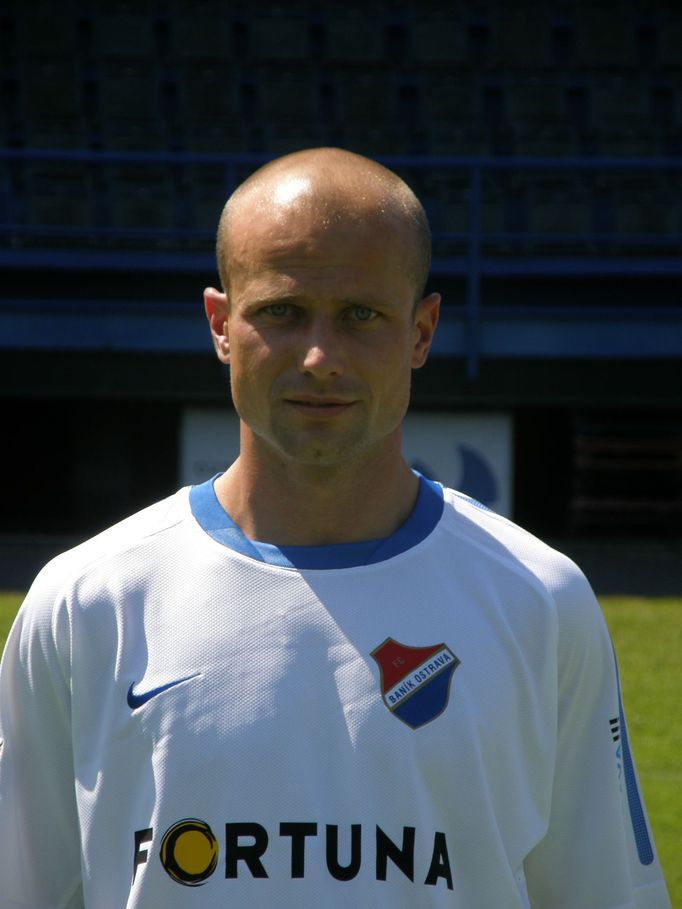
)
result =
(306, 244)
(308, 235)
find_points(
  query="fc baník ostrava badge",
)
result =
(415, 681)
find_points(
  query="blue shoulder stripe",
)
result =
(639, 825)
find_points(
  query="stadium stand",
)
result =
(439, 39)
(544, 139)
(626, 475)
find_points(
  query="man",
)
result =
(319, 679)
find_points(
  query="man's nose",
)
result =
(321, 350)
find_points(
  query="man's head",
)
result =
(323, 257)
(334, 184)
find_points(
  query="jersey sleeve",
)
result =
(598, 852)
(39, 832)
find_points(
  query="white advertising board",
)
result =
(209, 442)
(468, 452)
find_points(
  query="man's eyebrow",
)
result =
(299, 300)
(277, 298)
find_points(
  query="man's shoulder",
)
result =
(142, 529)
(473, 518)
(499, 541)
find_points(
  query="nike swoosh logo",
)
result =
(138, 700)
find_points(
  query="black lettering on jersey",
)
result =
(140, 856)
(402, 856)
(349, 871)
(440, 862)
(189, 851)
(251, 853)
(298, 832)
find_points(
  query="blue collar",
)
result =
(210, 515)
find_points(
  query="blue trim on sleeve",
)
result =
(426, 513)
(640, 829)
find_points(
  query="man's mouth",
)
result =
(320, 405)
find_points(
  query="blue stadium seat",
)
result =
(56, 132)
(544, 141)
(279, 33)
(461, 137)
(633, 142)
(374, 140)
(562, 41)
(534, 100)
(208, 89)
(449, 99)
(58, 194)
(44, 27)
(493, 212)
(397, 40)
(576, 105)
(287, 95)
(669, 18)
(282, 138)
(604, 33)
(520, 35)
(365, 97)
(128, 88)
(124, 30)
(133, 134)
(559, 205)
(215, 135)
(671, 140)
(646, 203)
(207, 190)
(439, 37)
(664, 98)
(203, 31)
(50, 87)
(354, 34)
(446, 198)
(409, 110)
(12, 199)
(140, 197)
(619, 100)
(450, 196)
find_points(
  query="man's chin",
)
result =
(323, 453)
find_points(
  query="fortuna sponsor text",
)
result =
(189, 851)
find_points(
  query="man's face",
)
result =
(323, 335)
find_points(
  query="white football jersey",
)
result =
(431, 720)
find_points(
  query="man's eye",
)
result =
(363, 313)
(278, 309)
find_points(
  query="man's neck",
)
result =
(298, 505)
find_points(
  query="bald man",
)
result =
(318, 679)
(323, 258)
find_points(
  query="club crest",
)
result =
(415, 681)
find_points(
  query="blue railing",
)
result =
(474, 329)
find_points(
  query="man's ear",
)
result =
(216, 306)
(425, 322)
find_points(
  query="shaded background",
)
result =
(545, 140)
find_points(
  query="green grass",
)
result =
(9, 603)
(648, 638)
(647, 634)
